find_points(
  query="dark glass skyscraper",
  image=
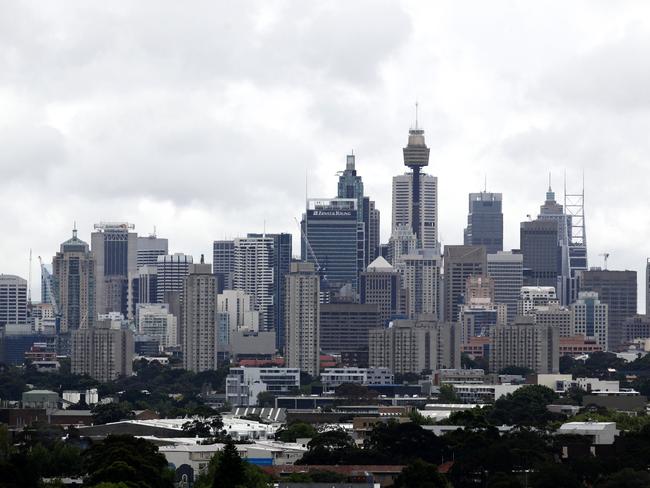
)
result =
(350, 185)
(334, 237)
(223, 262)
(485, 221)
(542, 252)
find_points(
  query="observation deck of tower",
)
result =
(416, 156)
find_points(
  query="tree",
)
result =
(626, 478)
(448, 395)
(210, 427)
(355, 391)
(525, 406)
(296, 430)
(422, 475)
(123, 458)
(227, 469)
(555, 475)
(516, 370)
(111, 412)
(230, 471)
(330, 447)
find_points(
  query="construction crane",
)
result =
(309, 248)
(47, 282)
(605, 256)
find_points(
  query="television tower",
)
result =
(416, 156)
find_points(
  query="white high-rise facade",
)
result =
(403, 206)
(13, 300)
(149, 248)
(590, 318)
(154, 319)
(421, 278)
(172, 271)
(238, 307)
(254, 262)
(507, 272)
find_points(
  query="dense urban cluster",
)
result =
(358, 363)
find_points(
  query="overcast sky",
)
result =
(204, 118)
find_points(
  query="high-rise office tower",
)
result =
(413, 346)
(102, 352)
(350, 185)
(149, 248)
(554, 315)
(485, 221)
(374, 233)
(618, 289)
(223, 262)
(526, 344)
(381, 285)
(73, 272)
(171, 270)
(13, 300)
(506, 270)
(542, 252)
(254, 274)
(335, 239)
(590, 318)
(302, 318)
(115, 250)
(282, 250)
(421, 279)
(199, 319)
(415, 194)
(460, 262)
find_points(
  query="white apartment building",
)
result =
(154, 319)
(243, 385)
(254, 275)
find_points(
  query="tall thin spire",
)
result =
(416, 114)
(74, 230)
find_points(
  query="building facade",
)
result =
(223, 262)
(590, 318)
(154, 320)
(381, 285)
(13, 300)
(344, 330)
(334, 237)
(302, 318)
(102, 352)
(73, 272)
(526, 344)
(115, 250)
(539, 244)
(198, 322)
(507, 272)
(412, 346)
(172, 271)
(460, 262)
(485, 221)
(149, 248)
(422, 281)
(617, 289)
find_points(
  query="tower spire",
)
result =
(416, 114)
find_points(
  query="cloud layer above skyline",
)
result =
(207, 119)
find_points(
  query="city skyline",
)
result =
(73, 154)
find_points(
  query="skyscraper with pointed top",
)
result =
(415, 194)
(350, 185)
(73, 273)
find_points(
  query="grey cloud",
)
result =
(30, 153)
